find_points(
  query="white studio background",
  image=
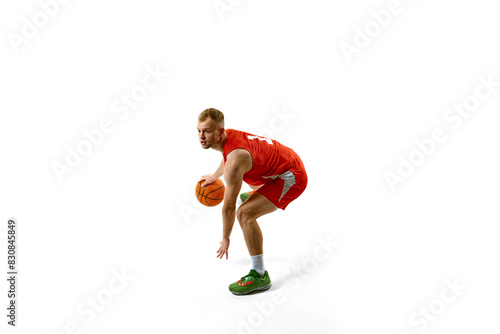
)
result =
(392, 105)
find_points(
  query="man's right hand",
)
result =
(209, 178)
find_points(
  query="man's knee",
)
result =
(243, 215)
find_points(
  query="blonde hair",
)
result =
(216, 115)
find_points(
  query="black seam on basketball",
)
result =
(204, 197)
(198, 191)
(201, 195)
(214, 190)
(205, 189)
(214, 199)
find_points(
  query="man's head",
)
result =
(210, 128)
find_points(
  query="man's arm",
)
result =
(220, 171)
(209, 178)
(238, 163)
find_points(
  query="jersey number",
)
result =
(267, 140)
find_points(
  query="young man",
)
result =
(275, 173)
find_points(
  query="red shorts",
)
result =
(286, 187)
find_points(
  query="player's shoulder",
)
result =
(239, 159)
(237, 137)
(238, 155)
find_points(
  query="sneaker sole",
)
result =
(262, 288)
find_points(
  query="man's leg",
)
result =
(258, 279)
(254, 207)
(277, 193)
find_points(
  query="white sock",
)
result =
(258, 264)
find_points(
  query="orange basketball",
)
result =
(212, 194)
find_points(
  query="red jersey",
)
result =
(270, 158)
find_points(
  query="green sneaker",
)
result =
(251, 283)
(244, 196)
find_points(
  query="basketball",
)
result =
(212, 194)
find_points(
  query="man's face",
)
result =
(208, 133)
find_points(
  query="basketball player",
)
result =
(275, 173)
